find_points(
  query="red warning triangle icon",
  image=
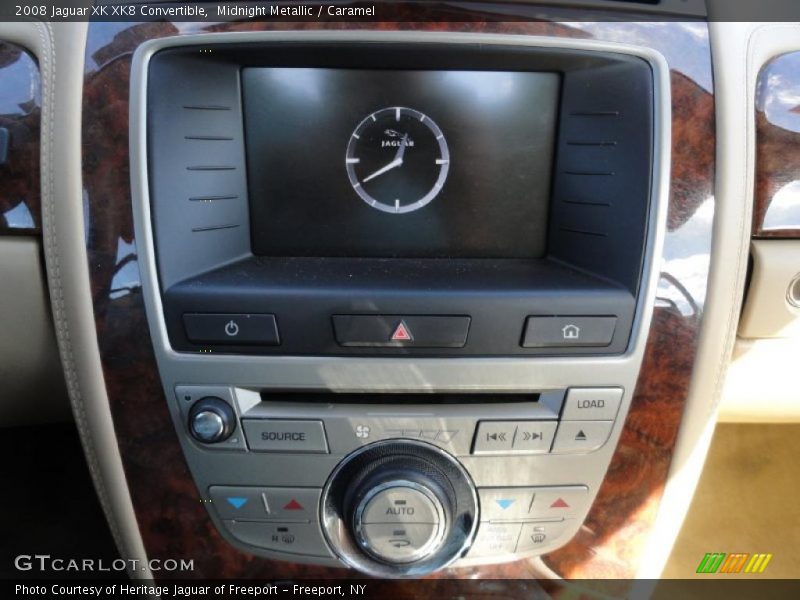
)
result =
(293, 505)
(402, 333)
(559, 504)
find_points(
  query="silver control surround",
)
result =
(240, 380)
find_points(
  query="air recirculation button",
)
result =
(399, 542)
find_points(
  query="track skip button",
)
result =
(534, 437)
(514, 437)
(494, 437)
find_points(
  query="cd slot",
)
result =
(401, 399)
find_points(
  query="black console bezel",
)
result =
(599, 211)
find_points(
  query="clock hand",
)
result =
(402, 149)
(398, 160)
(395, 163)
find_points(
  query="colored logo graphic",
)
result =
(719, 562)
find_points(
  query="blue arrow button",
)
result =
(237, 502)
(505, 503)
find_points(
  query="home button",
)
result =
(564, 331)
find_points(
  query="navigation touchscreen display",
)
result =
(399, 163)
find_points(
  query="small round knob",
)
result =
(211, 420)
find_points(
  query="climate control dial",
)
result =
(399, 507)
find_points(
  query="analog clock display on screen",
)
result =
(397, 160)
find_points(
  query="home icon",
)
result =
(571, 332)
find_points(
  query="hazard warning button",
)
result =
(402, 333)
(419, 331)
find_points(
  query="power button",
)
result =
(233, 329)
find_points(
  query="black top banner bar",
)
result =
(407, 10)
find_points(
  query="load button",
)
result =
(272, 435)
(592, 404)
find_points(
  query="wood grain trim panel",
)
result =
(20, 114)
(777, 195)
(172, 520)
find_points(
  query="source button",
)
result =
(272, 435)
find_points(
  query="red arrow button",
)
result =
(293, 505)
(559, 504)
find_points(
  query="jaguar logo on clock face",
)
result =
(397, 160)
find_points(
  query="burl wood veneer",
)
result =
(20, 108)
(172, 520)
(777, 195)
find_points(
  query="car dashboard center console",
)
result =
(398, 288)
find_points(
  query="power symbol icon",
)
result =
(231, 328)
